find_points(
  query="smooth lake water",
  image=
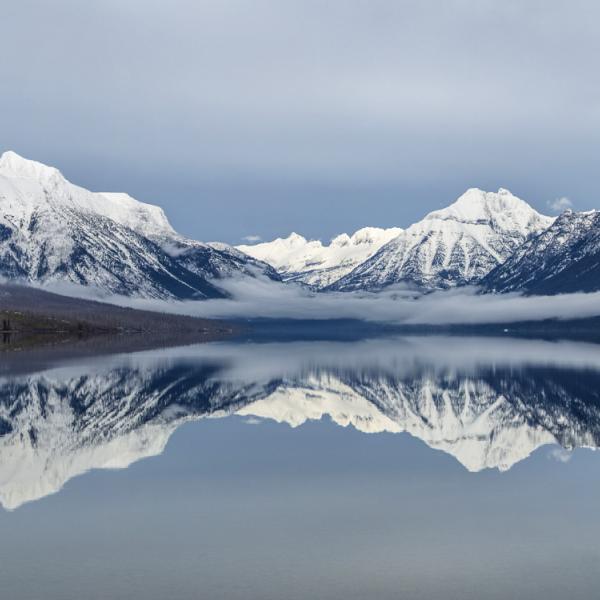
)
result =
(417, 468)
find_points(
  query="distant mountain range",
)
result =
(454, 246)
(319, 265)
(457, 245)
(53, 231)
(492, 240)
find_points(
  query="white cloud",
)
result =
(252, 238)
(560, 204)
(560, 455)
(263, 298)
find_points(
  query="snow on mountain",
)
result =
(457, 245)
(147, 219)
(318, 264)
(215, 260)
(564, 258)
(52, 230)
(46, 187)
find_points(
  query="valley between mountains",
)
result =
(56, 234)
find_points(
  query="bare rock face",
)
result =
(563, 259)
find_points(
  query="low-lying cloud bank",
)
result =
(261, 298)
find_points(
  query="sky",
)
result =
(258, 118)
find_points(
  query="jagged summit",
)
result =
(317, 264)
(369, 235)
(54, 231)
(478, 206)
(51, 229)
(146, 219)
(456, 245)
(14, 165)
(565, 258)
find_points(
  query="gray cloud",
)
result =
(560, 204)
(263, 114)
(560, 455)
(264, 298)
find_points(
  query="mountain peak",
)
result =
(15, 165)
(456, 245)
(318, 264)
(476, 199)
(147, 219)
(502, 207)
(296, 238)
(368, 235)
(53, 230)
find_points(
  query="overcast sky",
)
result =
(262, 117)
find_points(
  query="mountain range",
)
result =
(316, 264)
(454, 246)
(564, 258)
(52, 231)
(457, 245)
(493, 240)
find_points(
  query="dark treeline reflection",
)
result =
(489, 403)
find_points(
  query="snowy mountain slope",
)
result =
(457, 245)
(216, 260)
(316, 264)
(564, 258)
(53, 231)
(39, 187)
(58, 424)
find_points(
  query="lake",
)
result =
(397, 467)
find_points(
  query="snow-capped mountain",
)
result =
(316, 264)
(457, 245)
(54, 231)
(562, 259)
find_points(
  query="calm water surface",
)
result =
(397, 468)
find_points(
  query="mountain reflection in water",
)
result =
(488, 403)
